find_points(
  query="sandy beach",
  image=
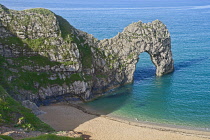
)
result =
(65, 117)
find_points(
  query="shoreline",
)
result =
(164, 125)
(90, 117)
(138, 122)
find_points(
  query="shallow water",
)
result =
(180, 98)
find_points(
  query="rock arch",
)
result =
(136, 38)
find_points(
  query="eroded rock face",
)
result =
(58, 59)
(30, 105)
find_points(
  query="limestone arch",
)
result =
(152, 38)
(121, 53)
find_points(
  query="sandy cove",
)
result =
(64, 117)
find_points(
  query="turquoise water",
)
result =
(180, 98)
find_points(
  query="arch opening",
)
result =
(144, 67)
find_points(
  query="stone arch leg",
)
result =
(163, 61)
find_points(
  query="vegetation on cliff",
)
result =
(12, 113)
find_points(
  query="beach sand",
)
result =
(64, 117)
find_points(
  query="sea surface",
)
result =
(180, 98)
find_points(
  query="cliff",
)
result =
(43, 57)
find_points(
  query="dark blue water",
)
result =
(180, 98)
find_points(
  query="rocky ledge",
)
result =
(43, 57)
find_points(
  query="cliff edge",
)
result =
(43, 57)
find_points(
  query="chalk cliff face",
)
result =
(43, 56)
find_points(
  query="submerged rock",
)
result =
(52, 58)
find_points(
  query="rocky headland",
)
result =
(43, 57)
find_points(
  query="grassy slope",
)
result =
(3, 137)
(14, 114)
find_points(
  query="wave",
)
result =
(201, 7)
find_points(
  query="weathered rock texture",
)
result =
(30, 105)
(43, 56)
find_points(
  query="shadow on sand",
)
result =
(67, 117)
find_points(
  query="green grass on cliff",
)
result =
(11, 40)
(65, 27)
(67, 34)
(27, 79)
(86, 54)
(41, 11)
(35, 44)
(101, 76)
(14, 114)
(4, 137)
(37, 60)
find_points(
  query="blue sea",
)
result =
(180, 98)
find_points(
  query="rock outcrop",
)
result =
(44, 57)
(30, 105)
